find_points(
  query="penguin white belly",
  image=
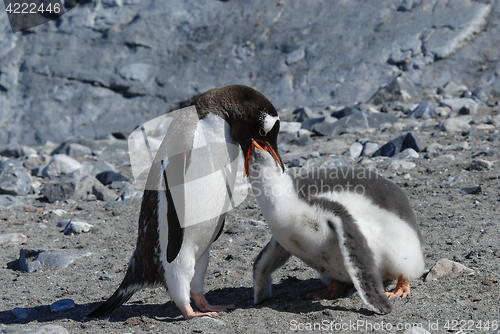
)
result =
(395, 244)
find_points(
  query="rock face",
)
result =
(107, 66)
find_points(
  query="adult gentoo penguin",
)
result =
(172, 247)
(349, 224)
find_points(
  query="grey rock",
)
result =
(303, 141)
(14, 179)
(359, 119)
(36, 161)
(393, 147)
(423, 110)
(62, 305)
(471, 190)
(454, 125)
(24, 313)
(65, 147)
(80, 173)
(58, 212)
(445, 267)
(416, 330)
(12, 239)
(401, 164)
(31, 260)
(464, 106)
(83, 89)
(355, 149)
(76, 226)
(370, 148)
(107, 277)
(76, 150)
(433, 147)
(12, 150)
(290, 127)
(63, 223)
(488, 92)
(400, 89)
(60, 165)
(101, 166)
(58, 190)
(109, 176)
(129, 194)
(49, 329)
(451, 181)
(7, 201)
(480, 164)
(118, 185)
(405, 6)
(297, 162)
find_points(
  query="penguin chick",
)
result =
(168, 252)
(349, 224)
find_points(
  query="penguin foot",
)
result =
(334, 290)
(189, 313)
(402, 289)
(204, 305)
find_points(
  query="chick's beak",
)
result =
(261, 145)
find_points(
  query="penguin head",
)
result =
(250, 115)
(261, 155)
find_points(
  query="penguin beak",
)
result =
(261, 145)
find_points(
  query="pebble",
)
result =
(445, 267)
(451, 181)
(463, 106)
(370, 148)
(290, 127)
(76, 226)
(109, 176)
(423, 110)
(60, 165)
(480, 164)
(416, 330)
(23, 313)
(49, 329)
(12, 239)
(454, 125)
(355, 150)
(14, 179)
(32, 259)
(393, 147)
(62, 305)
(107, 277)
(471, 190)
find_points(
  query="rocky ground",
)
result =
(69, 212)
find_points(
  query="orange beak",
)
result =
(262, 146)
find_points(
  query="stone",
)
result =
(12, 150)
(423, 110)
(488, 92)
(454, 125)
(471, 190)
(393, 147)
(445, 267)
(400, 89)
(369, 148)
(107, 277)
(480, 164)
(60, 165)
(109, 176)
(290, 127)
(36, 161)
(101, 166)
(12, 239)
(355, 150)
(62, 305)
(401, 164)
(59, 212)
(80, 173)
(405, 6)
(463, 106)
(31, 259)
(58, 190)
(297, 162)
(49, 329)
(24, 313)
(8, 201)
(76, 226)
(451, 181)
(295, 56)
(14, 179)
(358, 119)
(77, 150)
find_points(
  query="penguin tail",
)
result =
(126, 290)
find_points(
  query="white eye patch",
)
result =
(268, 123)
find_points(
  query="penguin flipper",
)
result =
(269, 259)
(360, 264)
